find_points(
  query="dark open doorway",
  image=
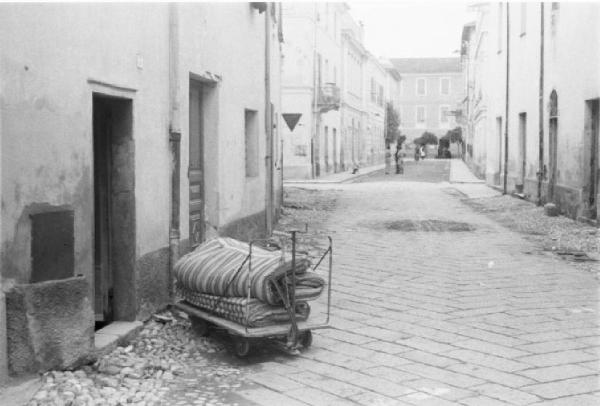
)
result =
(114, 210)
(591, 168)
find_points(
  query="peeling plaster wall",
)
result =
(571, 67)
(3, 349)
(47, 155)
(229, 45)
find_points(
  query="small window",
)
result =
(420, 114)
(380, 96)
(445, 86)
(373, 91)
(421, 87)
(444, 114)
(251, 132)
(523, 18)
(500, 30)
(554, 16)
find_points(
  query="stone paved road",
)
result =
(428, 170)
(439, 318)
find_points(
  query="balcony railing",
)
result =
(328, 98)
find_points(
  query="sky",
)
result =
(412, 29)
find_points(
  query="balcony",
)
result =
(328, 98)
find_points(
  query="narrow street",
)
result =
(424, 316)
(434, 303)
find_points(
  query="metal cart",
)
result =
(291, 336)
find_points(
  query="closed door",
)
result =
(553, 157)
(523, 145)
(593, 178)
(499, 137)
(196, 166)
(335, 153)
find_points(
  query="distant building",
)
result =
(535, 131)
(130, 133)
(333, 92)
(431, 91)
(312, 71)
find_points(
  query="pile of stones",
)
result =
(166, 364)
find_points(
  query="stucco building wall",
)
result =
(49, 72)
(570, 70)
(312, 60)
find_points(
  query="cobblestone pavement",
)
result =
(438, 317)
(434, 303)
(428, 170)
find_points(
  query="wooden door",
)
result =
(196, 166)
(553, 145)
(523, 145)
(594, 175)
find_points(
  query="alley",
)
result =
(424, 316)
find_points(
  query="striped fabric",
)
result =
(234, 308)
(214, 268)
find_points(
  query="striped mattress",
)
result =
(220, 267)
(234, 308)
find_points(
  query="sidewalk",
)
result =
(460, 173)
(341, 177)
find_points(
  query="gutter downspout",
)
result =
(174, 139)
(315, 113)
(540, 173)
(504, 190)
(268, 125)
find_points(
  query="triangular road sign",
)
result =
(291, 119)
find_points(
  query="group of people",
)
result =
(420, 152)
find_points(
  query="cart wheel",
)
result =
(199, 326)
(306, 339)
(241, 346)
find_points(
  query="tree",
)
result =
(453, 136)
(392, 125)
(426, 138)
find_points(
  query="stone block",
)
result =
(50, 325)
(551, 210)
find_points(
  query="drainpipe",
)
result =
(174, 138)
(268, 125)
(504, 190)
(313, 162)
(540, 173)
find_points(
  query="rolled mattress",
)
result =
(247, 312)
(220, 267)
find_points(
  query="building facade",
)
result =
(332, 92)
(542, 89)
(310, 88)
(431, 91)
(375, 99)
(124, 145)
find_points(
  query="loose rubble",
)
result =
(165, 365)
(560, 235)
(302, 207)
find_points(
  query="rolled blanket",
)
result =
(237, 308)
(220, 267)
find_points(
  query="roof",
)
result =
(426, 65)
